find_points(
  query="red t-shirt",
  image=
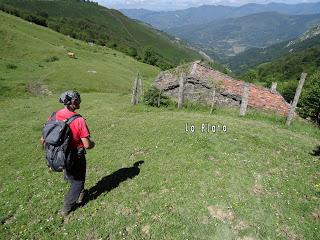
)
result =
(78, 127)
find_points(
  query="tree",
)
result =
(310, 98)
(251, 76)
(131, 51)
(150, 56)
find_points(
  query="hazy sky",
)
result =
(181, 4)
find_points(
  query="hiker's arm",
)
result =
(87, 143)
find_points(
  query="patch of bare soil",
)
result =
(8, 219)
(227, 216)
(171, 207)
(146, 230)
(126, 232)
(221, 213)
(241, 225)
(38, 89)
(316, 215)
(136, 153)
(248, 238)
(91, 236)
(257, 190)
(205, 220)
(125, 211)
(288, 233)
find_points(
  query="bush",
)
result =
(131, 51)
(155, 98)
(11, 66)
(52, 59)
(310, 98)
(163, 65)
(35, 19)
(150, 56)
(288, 90)
(251, 76)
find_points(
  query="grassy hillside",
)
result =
(93, 23)
(231, 36)
(32, 56)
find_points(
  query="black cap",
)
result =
(67, 96)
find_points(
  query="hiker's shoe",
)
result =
(63, 213)
(82, 196)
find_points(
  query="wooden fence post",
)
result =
(140, 88)
(159, 97)
(194, 67)
(181, 91)
(134, 99)
(296, 99)
(213, 98)
(244, 100)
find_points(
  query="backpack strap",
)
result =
(73, 117)
(53, 116)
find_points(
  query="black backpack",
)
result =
(57, 135)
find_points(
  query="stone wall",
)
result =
(199, 83)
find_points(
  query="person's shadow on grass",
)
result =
(316, 151)
(107, 183)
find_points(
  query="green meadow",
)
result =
(256, 180)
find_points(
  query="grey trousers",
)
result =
(76, 176)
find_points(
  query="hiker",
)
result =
(80, 140)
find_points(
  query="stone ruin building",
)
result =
(201, 80)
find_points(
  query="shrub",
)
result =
(251, 76)
(11, 66)
(150, 56)
(288, 90)
(131, 51)
(36, 19)
(163, 65)
(155, 98)
(52, 59)
(310, 98)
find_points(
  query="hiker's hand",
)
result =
(42, 142)
(88, 143)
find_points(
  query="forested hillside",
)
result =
(255, 56)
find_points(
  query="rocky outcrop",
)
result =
(199, 85)
(313, 32)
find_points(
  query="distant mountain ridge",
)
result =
(207, 13)
(256, 56)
